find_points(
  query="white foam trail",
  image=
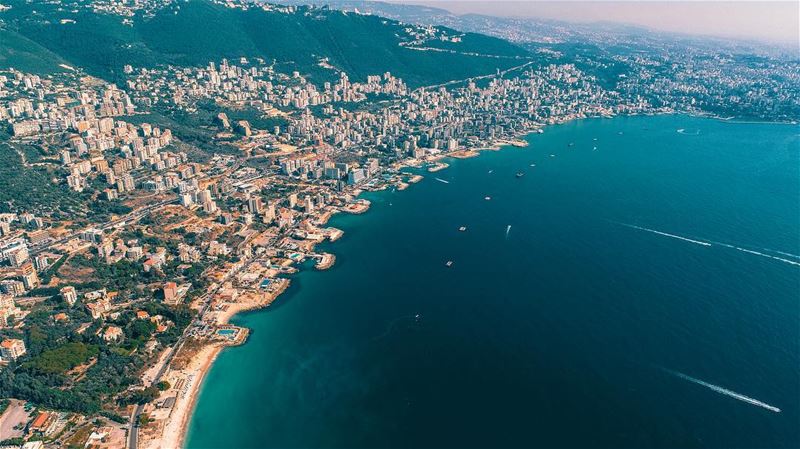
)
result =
(726, 245)
(696, 242)
(724, 391)
(781, 252)
(508, 229)
(757, 253)
(442, 180)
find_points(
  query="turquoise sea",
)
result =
(636, 281)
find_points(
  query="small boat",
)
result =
(594, 148)
(462, 228)
(520, 174)
(552, 155)
(449, 263)
(490, 171)
(487, 198)
(571, 144)
(595, 139)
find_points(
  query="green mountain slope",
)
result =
(198, 31)
(23, 54)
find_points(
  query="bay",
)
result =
(639, 249)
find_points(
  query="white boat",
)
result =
(462, 228)
(449, 263)
(487, 198)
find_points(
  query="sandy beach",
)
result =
(170, 431)
(187, 371)
(174, 431)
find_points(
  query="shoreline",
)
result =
(518, 140)
(174, 435)
(175, 430)
(178, 435)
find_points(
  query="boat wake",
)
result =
(726, 245)
(723, 391)
(683, 131)
(508, 229)
(442, 180)
(759, 253)
(696, 242)
(781, 252)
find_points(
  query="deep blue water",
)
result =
(559, 333)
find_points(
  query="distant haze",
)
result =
(775, 21)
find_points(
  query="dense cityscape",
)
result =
(140, 215)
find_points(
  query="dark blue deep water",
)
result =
(567, 331)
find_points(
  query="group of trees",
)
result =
(122, 275)
(42, 379)
(62, 358)
(110, 368)
(27, 188)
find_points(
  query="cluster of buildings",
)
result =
(19, 270)
(82, 124)
(431, 121)
(718, 83)
(42, 428)
(233, 225)
(255, 85)
(334, 153)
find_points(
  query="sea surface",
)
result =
(638, 287)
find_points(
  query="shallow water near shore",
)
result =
(657, 252)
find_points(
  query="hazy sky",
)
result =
(762, 20)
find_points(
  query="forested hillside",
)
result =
(196, 32)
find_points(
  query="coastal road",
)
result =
(133, 433)
(133, 429)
